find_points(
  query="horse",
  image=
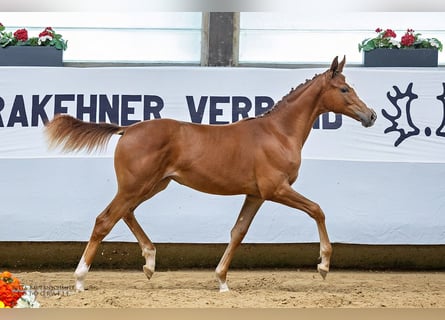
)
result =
(258, 157)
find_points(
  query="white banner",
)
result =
(410, 106)
(381, 184)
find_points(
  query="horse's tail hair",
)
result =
(76, 135)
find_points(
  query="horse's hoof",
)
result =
(322, 272)
(79, 286)
(148, 273)
(223, 287)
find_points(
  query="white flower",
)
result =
(434, 43)
(394, 42)
(44, 39)
(28, 300)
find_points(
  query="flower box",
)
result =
(31, 56)
(404, 57)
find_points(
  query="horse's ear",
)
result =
(337, 68)
(341, 65)
(334, 66)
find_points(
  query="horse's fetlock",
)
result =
(148, 253)
(220, 274)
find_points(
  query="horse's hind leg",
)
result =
(104, 223)
(147, 247)
(248, 211)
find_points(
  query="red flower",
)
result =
(21, 35)
(408, 39)
(45, 33)
(389, 34)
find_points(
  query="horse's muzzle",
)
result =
(368, 120)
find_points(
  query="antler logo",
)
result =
(405, 111)
(441, 98)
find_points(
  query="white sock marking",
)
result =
(80, 274)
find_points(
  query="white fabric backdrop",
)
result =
(373, 188)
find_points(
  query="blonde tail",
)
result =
(76, 135)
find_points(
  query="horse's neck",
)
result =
(299, 113)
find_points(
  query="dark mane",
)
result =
(293, 94)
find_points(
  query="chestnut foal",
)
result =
(259, 157)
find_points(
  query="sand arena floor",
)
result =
(249, 289)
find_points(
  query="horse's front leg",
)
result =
(286, 195)
(248, 211)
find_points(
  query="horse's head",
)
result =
(339, 97)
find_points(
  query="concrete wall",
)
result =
(44, 256)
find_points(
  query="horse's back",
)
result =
(146, 136)
(191, 154)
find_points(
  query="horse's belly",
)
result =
(216, 183)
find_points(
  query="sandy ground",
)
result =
(249, 289)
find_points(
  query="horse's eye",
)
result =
(344, 89)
